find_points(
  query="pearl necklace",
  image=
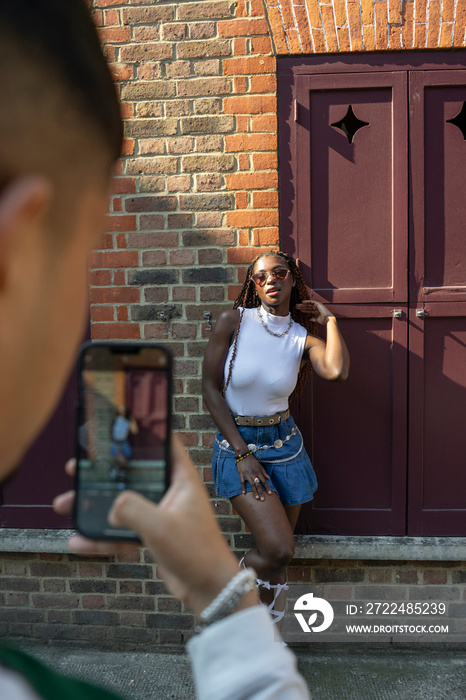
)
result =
(277, 335)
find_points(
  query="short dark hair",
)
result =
(54, 84)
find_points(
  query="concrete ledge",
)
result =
(56, 541)
(307, 546)
(386, 548)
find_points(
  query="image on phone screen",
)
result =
(123, 430)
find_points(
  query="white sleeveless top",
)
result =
(265, 369)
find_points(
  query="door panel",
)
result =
(352, 186)
(355, 431)
(437, 391)
(439, 172)
(26, 500)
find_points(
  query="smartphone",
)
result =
(123, 427)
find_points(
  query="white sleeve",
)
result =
(238, 659)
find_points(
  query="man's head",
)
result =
(60, 133)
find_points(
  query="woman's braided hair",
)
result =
(248, 299)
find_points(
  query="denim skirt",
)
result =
(280, 450)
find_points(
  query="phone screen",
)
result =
(122, 431)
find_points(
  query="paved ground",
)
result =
(374, 674)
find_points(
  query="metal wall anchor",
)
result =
(208, 316)
(398, 313)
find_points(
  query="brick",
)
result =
(249, 65)
(129, 571)
(406, 576)
(154, 277)
(203, 202)
(207, 105)
(209, 48)
(202, 30)
(141, 34)
(177, 108)
(145, 312)
(207, 238)
(150, 127)
(265, 236)
(131, 602)
(123, 185)
(389, 593)
(179, 220)
(206, 274)
(115, 331)
(256, 218)
(264, 161)
(203, 422)
(243, 27)
(156, 295)
(205, 68)
(251, 142)
(92, 586)
(102, 313)
(178, 183)
(203, 86)
(95, 617)
(174, 32)
(55, 600)
(117, 258)
(152, 239)
(250, 104)
(148, 15)
(150, 109)
(203, 163)
(156, 51)
(251, 181)
(434, 577)
(210, 10)
(162, 620)
(114, 34)
(207, 125)
(180, 144)
(182, 257)
(112, 295)
(186, 368)
(183, 293)
(178, 69)
(261, 200)
(120, 223)
(208, 219)
(209, 182)
(152, 183)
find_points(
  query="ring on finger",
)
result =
(257, 480)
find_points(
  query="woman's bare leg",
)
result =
(271, 525)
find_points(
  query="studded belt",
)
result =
(256, 421)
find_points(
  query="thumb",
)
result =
(133, 511)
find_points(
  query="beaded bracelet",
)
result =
(227, 599)
(240, 457)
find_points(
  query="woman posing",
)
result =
(259, 355)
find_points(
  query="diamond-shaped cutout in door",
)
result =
(460, 120)
(350, 124)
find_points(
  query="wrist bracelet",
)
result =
(227, 599)
(240, 457)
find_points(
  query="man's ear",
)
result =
(24, 204)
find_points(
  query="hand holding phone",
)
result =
(122, 431)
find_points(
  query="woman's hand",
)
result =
(251, 470)
(314, 308)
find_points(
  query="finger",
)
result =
(63, 504)
(265, 484)
(256, 486)
(134, 512)
(70, 467)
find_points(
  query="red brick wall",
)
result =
(119, 603)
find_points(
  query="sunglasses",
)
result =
(280, 274)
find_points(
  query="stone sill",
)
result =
(307, 546)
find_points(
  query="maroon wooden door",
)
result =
(437, 330)
(371, 178)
